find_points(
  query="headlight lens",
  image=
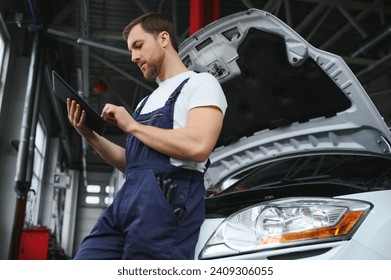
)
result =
(285, 222)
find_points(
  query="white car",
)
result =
(303, 164)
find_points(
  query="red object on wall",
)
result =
(99, 87)
(34, 244)
(203, 12)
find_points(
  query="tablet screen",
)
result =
(63, 90)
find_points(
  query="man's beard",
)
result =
(154, 65)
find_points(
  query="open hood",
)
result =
(284, 96)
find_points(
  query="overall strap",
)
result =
(177, 91)
(172, 97)
(171, 101)
(142, 105)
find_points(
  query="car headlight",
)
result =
(285, 222)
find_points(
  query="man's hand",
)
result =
(77, 118)
(110, 152)
(119, 116)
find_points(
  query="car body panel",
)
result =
(288, 99)
(355, 125)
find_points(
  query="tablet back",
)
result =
(63, 90)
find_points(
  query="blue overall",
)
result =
(140, 223)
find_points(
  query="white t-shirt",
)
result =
(202, 89)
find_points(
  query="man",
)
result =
(158, 212)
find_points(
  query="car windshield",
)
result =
(363, 172)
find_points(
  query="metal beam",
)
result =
(288, 13)
(269, 5)
(276, 8)
(160, 6)
(372, 42)
(103, 46)
(358, 61)
(310, 17)
(103, 60)
(142, 6)
(183, 36)
(70, 32)
(85, 58)
(357, 5)
(343, 31)
(174, 17)
(120, 70)
(22, 183)
(352, 21)
(248, 4)
(85, 69)
(118, 96)
(70, 8)
(373, 66)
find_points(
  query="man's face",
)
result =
(146, 52)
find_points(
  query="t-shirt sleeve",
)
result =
(205, 90)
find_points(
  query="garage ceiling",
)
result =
(85, 43)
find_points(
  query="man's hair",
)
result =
(154, 24)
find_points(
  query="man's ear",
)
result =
(164, 39)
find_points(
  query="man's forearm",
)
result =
(110, 152)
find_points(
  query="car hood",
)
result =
(285, 97)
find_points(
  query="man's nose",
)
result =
(135, 57)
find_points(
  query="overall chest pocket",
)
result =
(151, 119)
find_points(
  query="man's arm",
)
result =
(195, 142)
(110, 152)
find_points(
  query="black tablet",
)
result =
(63, 90)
